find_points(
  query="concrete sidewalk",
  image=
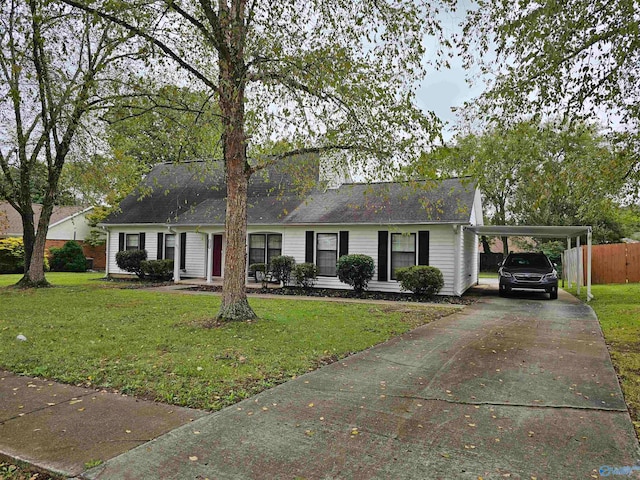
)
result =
(507, 388)
(517, 387)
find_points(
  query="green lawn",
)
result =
(165, 347)
(618, 309)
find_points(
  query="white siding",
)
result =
(114, 243)
(364, 239)
(469, 264)
(71, 228)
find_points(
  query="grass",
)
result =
(618, 309)
(488, 275)
(165, 346)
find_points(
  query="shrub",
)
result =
(130, 260)
(158, 270)
(68, 258)
(305, 274)
(12, 256)
(355, 270)
(421, 279)
(281, 268)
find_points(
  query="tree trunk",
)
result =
(235, 305)
(486, 248)
(505, 246)
(34, 270)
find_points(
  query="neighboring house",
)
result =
(67, 223)
(179, 211)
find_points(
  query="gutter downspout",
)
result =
(106, 253)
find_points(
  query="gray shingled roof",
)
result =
(193, 194)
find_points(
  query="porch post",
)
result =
(209, 257)
(579, 265)
(107, 249)
(176, 260)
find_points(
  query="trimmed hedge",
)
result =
(281, 268)
(157, 270)
(305, 274)
(355, 270)
(68, 258)
(130, 261)
(421, 279)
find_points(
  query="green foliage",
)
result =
(11, 255)
(355, 270)
(539, 174)
(131, 261)
(420, 279)
(157, 270)
(68, 258)
(281, 268)
(305, 274)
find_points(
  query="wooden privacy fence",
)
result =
(614, 263)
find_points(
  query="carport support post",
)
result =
(578, 266)
(565, 271)
(589, 296)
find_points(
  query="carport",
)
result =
(544, 231)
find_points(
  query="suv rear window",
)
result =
(533, 261)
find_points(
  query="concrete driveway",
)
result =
(508, 388)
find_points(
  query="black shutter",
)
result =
(142, 241)
(160, 255)
(121, 241)
(344, 244)
(423, 247)
(383, 251)
(183, 250)
(308, 247)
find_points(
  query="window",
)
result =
(263, 247)
(403, 251)
(327, 254)
(132, 241)
(169, 247)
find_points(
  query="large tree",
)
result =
(570, 58)
(323, 76)
(52, 58)
(539, 174)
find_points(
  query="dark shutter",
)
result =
(142, 241)
(308, 247)
(160, 255)
(383, 251)
(121, 241)
(344, 243)
(183, 250)
(423, 247)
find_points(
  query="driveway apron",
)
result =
(507, 388)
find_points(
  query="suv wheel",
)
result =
(503, 291)
(553, 293)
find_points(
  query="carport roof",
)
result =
(546, 231)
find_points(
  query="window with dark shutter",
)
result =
(383, 248)
(121, 241)
(141, 244)
(160, 245)
(308, 247)
(423, 247)
(183, 250)
(344, 243)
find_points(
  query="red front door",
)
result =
(217, 255)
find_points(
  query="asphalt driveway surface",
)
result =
(517, 387)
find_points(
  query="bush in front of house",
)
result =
(12, 256)
(355, 270)
(305, 274)
(157, 270)
(130, 261)
(68, 258)
(281, 268)
(422, 280)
